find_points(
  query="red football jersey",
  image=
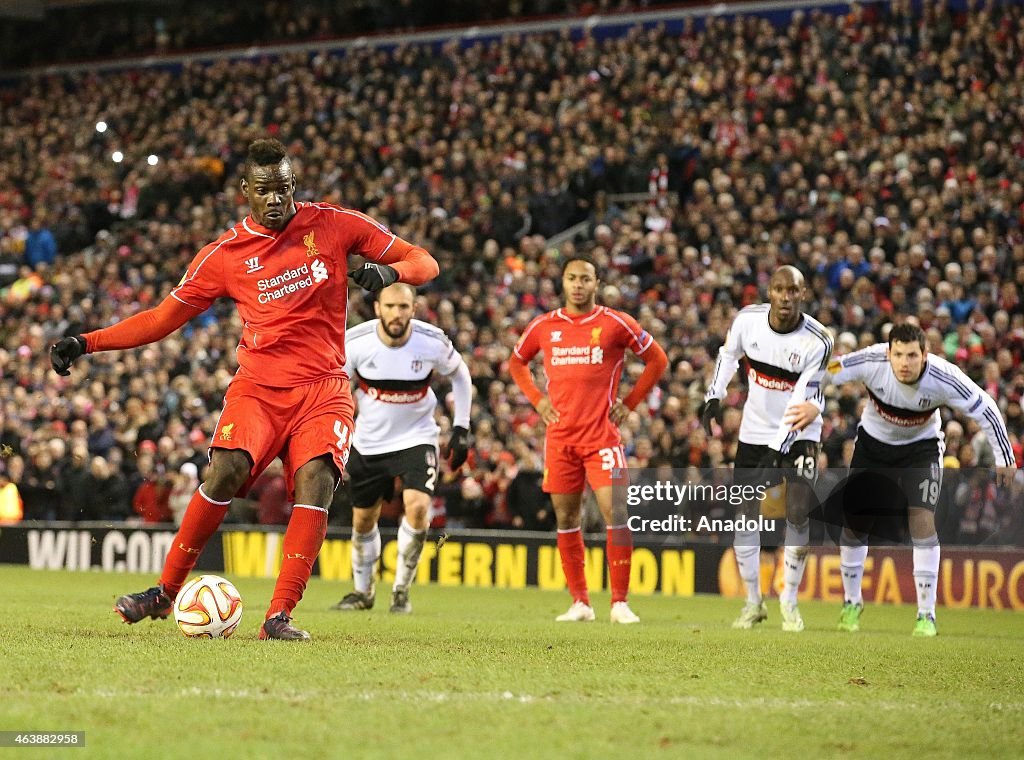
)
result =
(583, 358)
(291, 288)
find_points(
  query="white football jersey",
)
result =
(781, 367)
(392, 385)
(900, 413)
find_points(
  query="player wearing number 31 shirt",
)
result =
(584, 349)
(286, 268)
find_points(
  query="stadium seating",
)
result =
(881, 151)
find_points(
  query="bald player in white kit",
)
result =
(786, 352)
(391, 361)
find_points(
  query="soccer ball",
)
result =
(208, 607)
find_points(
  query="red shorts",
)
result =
(566, 467)
(297, 424)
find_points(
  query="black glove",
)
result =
(770, 465)
(712, 410)
(457, 448)
(64, 352)
(374, 277)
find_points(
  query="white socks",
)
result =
(926, 573)
(410, 546)
(851, 564)
(794, 560)
(747, 547)
(365, 553)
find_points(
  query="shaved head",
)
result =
(398, 290)
(791, 275)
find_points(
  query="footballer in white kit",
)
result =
(391, 362)
(786, 353)
(897, 458)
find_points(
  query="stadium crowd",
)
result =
(76, 32)
(882, 152)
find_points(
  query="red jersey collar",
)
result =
(253, 228)
(580, 318)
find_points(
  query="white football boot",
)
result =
(751, 614)
(792, 622)
(580, 612)
(621, 613)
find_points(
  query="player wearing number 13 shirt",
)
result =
(584, 349)
(786, 353)
(286, 268)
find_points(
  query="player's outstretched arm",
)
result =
(655, 363)
(64, 352)
(389, 259)
(854, 367)
(138, 330)
(402, 262)
(808, 399)
(971, 400)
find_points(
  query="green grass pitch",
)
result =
(488, 673)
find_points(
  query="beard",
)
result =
(396, 329)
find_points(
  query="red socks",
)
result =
(202, 518)
(570, 549)
(619, 552)
(302, 541)
(620, 560)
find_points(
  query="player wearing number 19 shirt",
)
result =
(584, 349)
(900, 441)
(391, 361)
(787, 353)
(285, 267)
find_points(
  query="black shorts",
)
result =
(799, 463)
(373, 476)
(909, 473)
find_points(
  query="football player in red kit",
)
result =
(584, 349)
(286, 268)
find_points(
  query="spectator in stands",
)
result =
(185, 483)
(107, 495)
(74, 480)
(271, 496)
(40, 244)
(11, 507)
(151, 491)
(40, 488)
